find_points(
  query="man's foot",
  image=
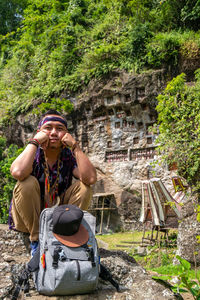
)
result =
(34, 246)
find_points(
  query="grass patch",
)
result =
(157, 257)
(121, 240)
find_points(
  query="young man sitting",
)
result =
(44, 171)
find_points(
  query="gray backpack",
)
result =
(61, 270)
(64, 270)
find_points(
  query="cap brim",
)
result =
(76, 240)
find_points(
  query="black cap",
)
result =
(67, 227)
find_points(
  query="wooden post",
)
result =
(108, 220)
(101, 224)
(143, 236)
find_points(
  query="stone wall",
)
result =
(113, 121)
(189, 230)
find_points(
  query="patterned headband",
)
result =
(47, 119)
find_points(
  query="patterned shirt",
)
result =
(67, 165)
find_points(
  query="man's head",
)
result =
(55, 125)
(50, 115)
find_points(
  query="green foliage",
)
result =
(157, 257)
(7, 182)
(190, 14)
(185, 280)
(134, 57)
(2, 147)
(61, 105)
(141, 10)
(163, 49)
(178, 109)
(61, 45)
(11, 12)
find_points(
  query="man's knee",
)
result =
(79, 194)
(85, 189)
(27, 186)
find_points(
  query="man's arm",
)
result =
(22, 166)
(86, 172)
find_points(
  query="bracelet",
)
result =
(34, 142)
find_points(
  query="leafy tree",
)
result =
(190, 14)
(179, 115)
(11, 12)
(141, 10)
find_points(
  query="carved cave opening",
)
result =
(110, 100)
(136, 140)
(140, 125)
(144, 106)
(101, 129)
(117, 124)
(128, 113)
(90, 127)
(100, 111)
(111, 112)
(148, 128)
(127, 98)
(109, 144)
(149, 140)
(140, 93)
(119, 109)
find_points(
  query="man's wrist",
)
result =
(34, 142)
(75, 146)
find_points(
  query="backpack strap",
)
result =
(33, 264)
(106, 275)
(23, 280)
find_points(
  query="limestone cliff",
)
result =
(112, 120)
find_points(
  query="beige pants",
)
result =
(26, 205)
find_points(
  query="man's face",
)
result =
(55, 131)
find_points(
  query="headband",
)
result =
(47, 119)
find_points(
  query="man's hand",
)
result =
(22, 166)
(68, 140)
(43, 139)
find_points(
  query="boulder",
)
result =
(188, 231)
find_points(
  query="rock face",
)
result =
(188, 230)
(135, 283)
(112, 120)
